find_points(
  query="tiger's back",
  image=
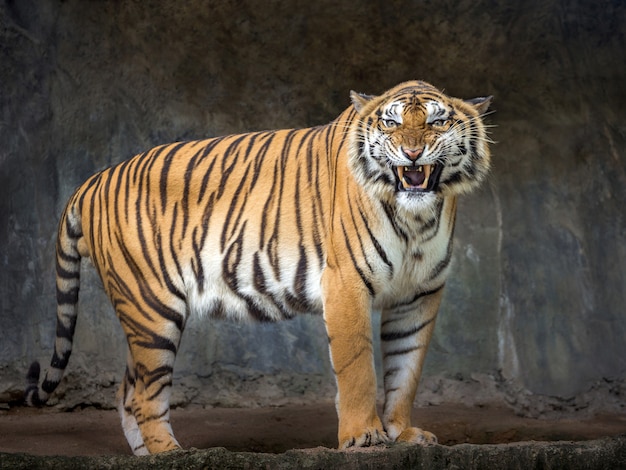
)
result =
(237, 227)
(336, 219)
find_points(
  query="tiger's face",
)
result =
(414, 144)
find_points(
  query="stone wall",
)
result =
(535, 305)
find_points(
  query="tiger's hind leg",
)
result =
(149, 398)
(153, 336)
(125, 396)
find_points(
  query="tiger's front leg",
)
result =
(347, 319)
(405, 335)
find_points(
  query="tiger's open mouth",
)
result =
(419, 178)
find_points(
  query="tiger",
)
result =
(337, 220)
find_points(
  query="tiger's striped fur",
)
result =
(337, 219)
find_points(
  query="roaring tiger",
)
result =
(338, 219)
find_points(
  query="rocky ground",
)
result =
(252, 437)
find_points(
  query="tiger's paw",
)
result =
(370, 437)
(417, 436)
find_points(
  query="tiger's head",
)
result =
(414, 144)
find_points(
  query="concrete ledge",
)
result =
(607, 453)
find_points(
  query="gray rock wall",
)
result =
(535, 305)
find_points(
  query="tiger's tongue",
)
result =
(414, 177)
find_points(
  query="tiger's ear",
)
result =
(360, 100)
(481, 103)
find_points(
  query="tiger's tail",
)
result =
(68, 259)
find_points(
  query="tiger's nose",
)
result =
(413, 154)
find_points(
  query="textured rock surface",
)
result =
(591, 455)
(535, 303)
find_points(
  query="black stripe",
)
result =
(297, 204)
(432, 222)
(295, 304)
(67, 274)
(71, 231)
(317, 208)
(196, 262)
(122, 177)
(143, 243)
(143, 336)
(129, 379)
(155, 341)
(67, 257)
(66, 332)
(383, 178)
(198, 244)
(389, 373)
(111, 225)
(443, 264)
(145, 419)
(266, 211)
(317, 237)
(159, 307)
(255, 312)
(268, 138)
(359, 238)
(470, 170)
(259, 275)
(231, 211)
(259, 157)
(102, 206)
(231, 158)
(395, 335)
(127, 192)
(184, 202)
(105, 195)
(311, 138)
(147, 295)
(367, 349)
(231, 260)
(165, 170)
(415, 298)
(34, 371)
(273, 241)
(171, 238)
(252, 138)
(69, 297)
(260, 284)
(301, 274)
(437, 222)
(138, 162)
(163, 266)
(207, 174)
(230, 264)
(152, 376)
(364, 278)
(92, 220)
(454, 178)
(377, 246)
(49, 386)
(60, 362)
(401, 352)
(117, 285)
(390, 213)
(157, 392)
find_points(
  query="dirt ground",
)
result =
(97, 432)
